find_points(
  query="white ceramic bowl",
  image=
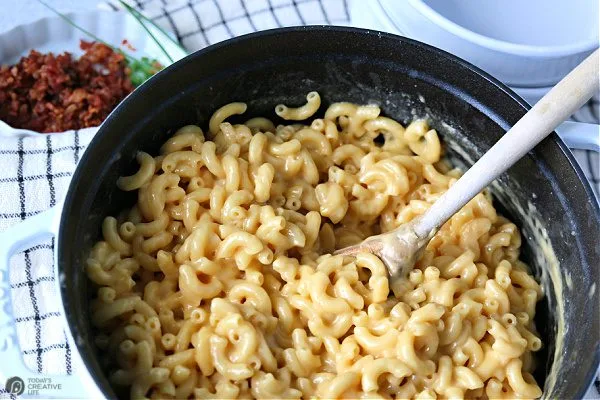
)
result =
(528, 44)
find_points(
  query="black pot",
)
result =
(545, 193)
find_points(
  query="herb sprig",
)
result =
(141, 69)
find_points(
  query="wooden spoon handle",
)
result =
(555, 107)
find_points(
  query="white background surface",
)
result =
(17, 12)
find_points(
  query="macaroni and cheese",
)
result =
(220, 283)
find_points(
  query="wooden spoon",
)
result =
(399, 249)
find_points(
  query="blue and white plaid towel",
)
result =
(35, 172)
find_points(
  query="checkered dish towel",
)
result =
(35, 172)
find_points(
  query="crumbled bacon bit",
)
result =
(54, 93)
(127, 44)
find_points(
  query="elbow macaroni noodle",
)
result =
(220, 283)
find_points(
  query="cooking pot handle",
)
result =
(15, 377)
(579, 135)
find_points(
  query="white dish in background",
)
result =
(54, 34)
(531, 43)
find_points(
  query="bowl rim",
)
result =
(502, 46)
